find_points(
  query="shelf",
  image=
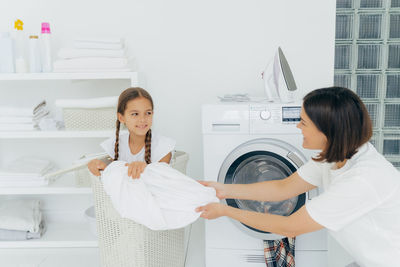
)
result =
(63, 185)
(59, 235)
(133, 76)
(55, 134)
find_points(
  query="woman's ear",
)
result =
(121, 118)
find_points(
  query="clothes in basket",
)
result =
(161, 199)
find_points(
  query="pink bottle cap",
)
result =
(45, 27)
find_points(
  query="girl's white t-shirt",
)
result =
(160, 147)
(360, 205)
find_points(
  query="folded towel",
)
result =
(17, 235)
(16, 120)
(79, 53)
(279, 253)
(89, 70)
(20, 214)
(100, 102)
(17, 127)
(24, 183)
(28, 166)
(22, 111)
(97, 45)
(101, 40)
(91, 62)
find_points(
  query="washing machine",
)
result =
(247, 143)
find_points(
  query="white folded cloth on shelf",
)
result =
(100, 40)
(20, 214)
(98, 45)
(17, 235)
(26, 171)
(4, 127)
(162, 198)
(89, 70)
(65, 53)
(91, 63)
(23, 111)
(99, 102)
(16, 120)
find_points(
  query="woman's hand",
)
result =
(95, 166)
(221, 189)
(136, 168)
(212, 210)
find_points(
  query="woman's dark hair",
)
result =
(124, 98)
(342, 117)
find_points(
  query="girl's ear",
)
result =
(121, 117)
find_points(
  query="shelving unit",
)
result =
(63, 202)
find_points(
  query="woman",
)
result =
(360, 203)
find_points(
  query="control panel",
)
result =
(264, 117)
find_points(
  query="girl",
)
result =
(360, 205)
(139, 146)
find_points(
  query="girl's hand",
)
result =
(220, 189)
(95, 166)
(136, 168)
(212, 210)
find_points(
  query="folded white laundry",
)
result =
(100, 40)
(20, 214)
(97, 45)
(89, 70)
(24, 184)
(4, 127)
(162, 198)
(91, 62)
(22, 111)
(16, 120)
(15, 235)
(82, 53)
(98, 102)
(28, 166)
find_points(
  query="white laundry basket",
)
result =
(124, 243)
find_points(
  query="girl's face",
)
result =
(312, 137)
(138, 116)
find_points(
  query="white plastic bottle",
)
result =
(6, 53)
(34, 54)
(47, 64)
(20, 62)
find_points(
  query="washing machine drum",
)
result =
(258, 168)
(257, 161)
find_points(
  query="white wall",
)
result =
(189, 51)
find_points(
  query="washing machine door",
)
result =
(257, 161)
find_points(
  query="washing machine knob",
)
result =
(265, 115)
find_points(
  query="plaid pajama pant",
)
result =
(279, 253)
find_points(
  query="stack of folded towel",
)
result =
(13, 118)
(93, 55)
(98, 102)
(26, 171)
(21, 220)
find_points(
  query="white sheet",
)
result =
(162, 198)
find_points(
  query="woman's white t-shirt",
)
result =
(160, 147)
(360, 205)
